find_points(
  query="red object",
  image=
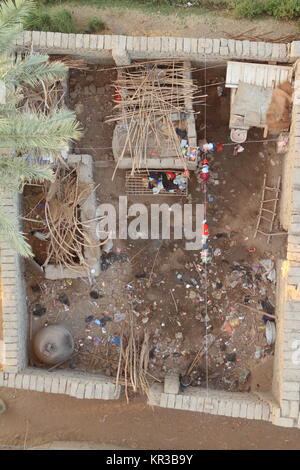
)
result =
(252, 250)
(118, 97)
(205, 177)
(219, 147)
(205, 230)
(204, 162)
(170, 174)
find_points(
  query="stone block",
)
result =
(171, 384)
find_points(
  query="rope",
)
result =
(205, 212)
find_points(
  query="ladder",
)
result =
(267, 214)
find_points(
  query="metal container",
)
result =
(270, 332)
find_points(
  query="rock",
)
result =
(179, 335)
(93, 89)
(79, 108)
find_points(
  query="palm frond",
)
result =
(15, 172)
(50, 133)
(15, 238)
(12, 16)
(32, 70)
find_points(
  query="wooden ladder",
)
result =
(268, 215)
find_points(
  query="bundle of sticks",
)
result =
(66, 232)
(134, 359)
(146, 96)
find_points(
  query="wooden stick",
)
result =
(261, 312)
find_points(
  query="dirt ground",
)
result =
(184, 23)
(173, 307)
(34, 419)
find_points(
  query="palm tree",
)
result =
(24, 132)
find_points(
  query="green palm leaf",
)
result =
(10, 232)
(12, 16)
(32, 70)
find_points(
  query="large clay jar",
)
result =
(53, 344)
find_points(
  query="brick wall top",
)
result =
(142, 46)
(287, 360)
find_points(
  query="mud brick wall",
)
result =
(237, 405)
(122, 48)
(286, 373)
(281, 408)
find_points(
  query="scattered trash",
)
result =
(38, 310)
(270, 332)
(89, 318)
(36, 288)
(231, 357)
(258, 353)
(179, 335)
(95, 294)
(118, 317)
(108, 259)
(185, 380)
(64, 299)
(244, 376)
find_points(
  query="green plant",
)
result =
(59, 22)
(287, 9)
(24, 133)
(281, 9)
(248, 9)
(62, 22)
(95, 25)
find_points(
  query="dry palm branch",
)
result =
(134, 359)
(67, 235)
(147, 96)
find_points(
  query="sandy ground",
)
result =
(176, 334)
(205, 24)
(37, 418)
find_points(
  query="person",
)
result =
(205, 175)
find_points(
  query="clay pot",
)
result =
(53, 344)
